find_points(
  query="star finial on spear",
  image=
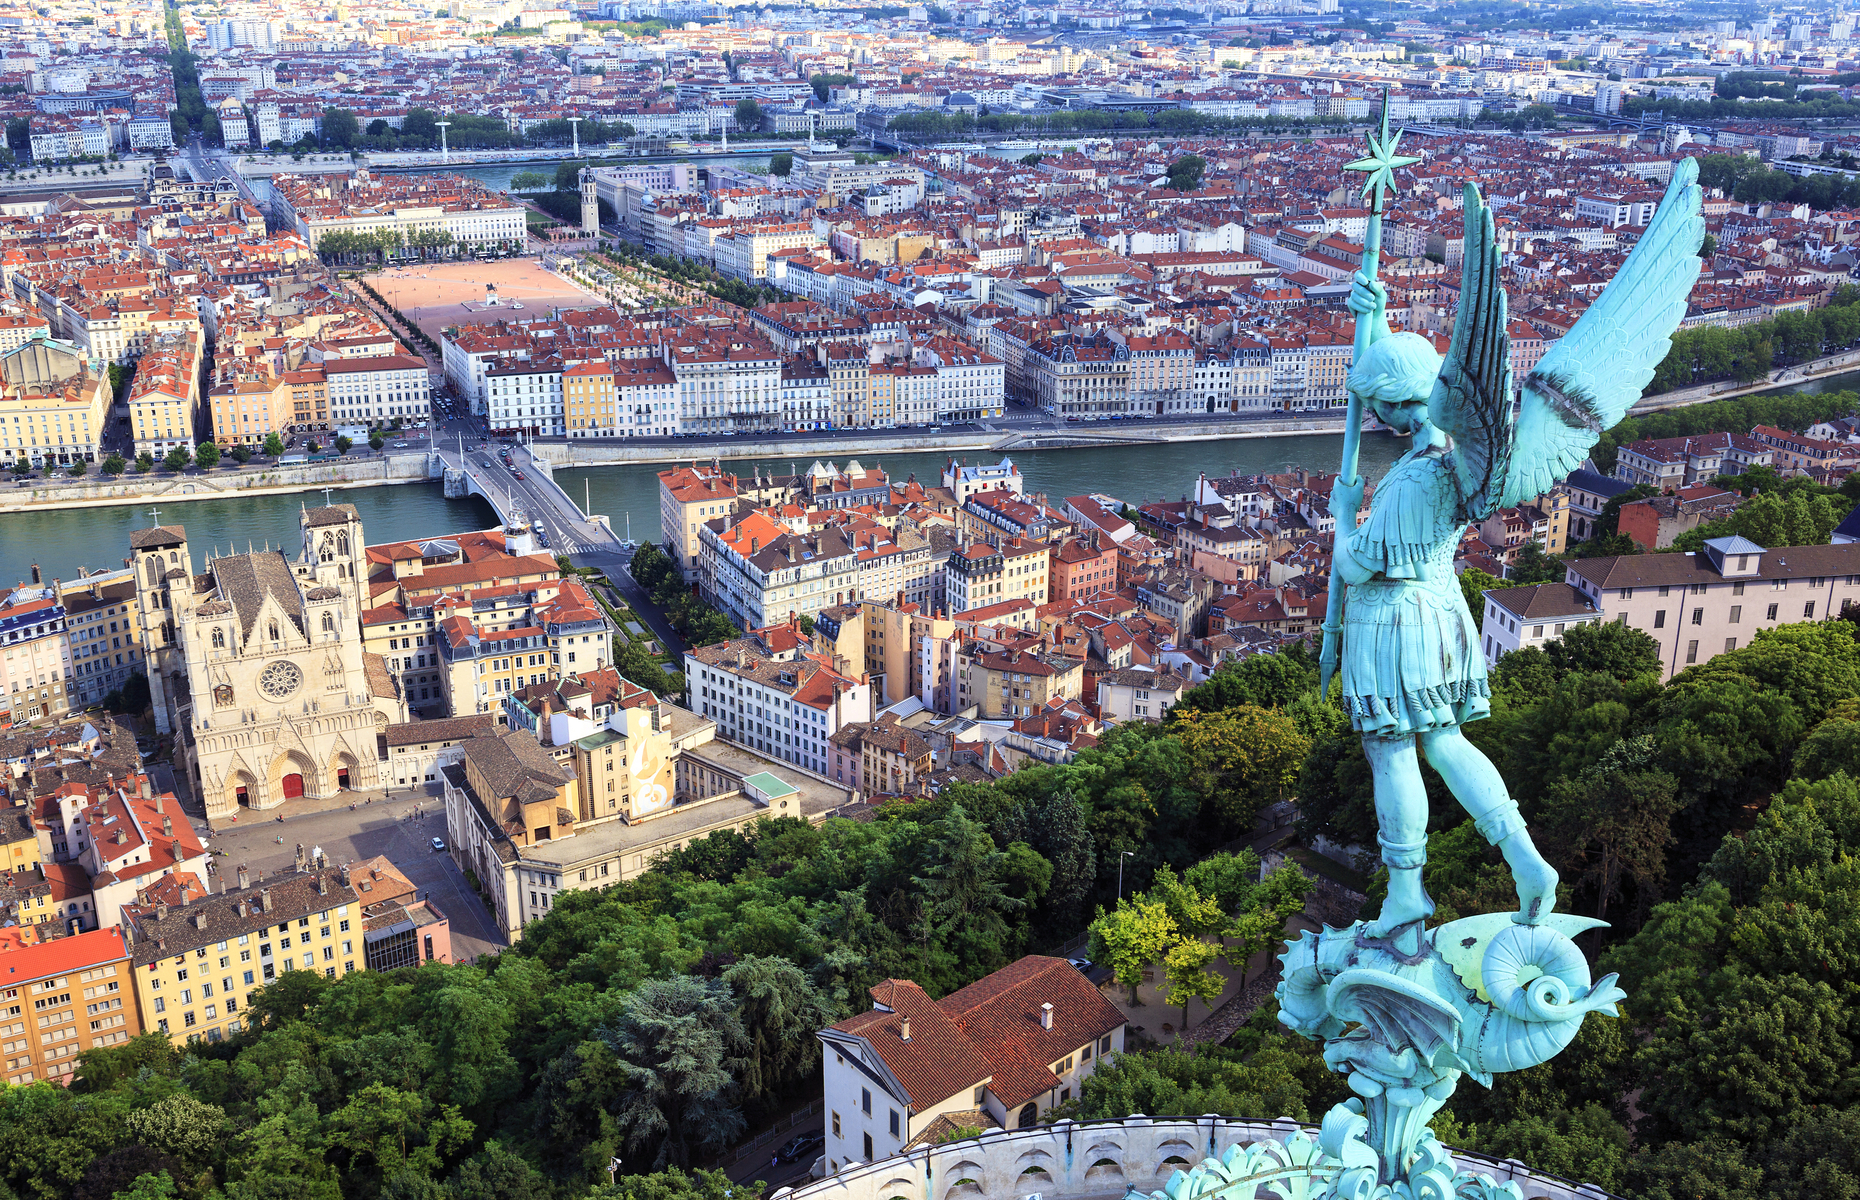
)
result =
(1381, 163)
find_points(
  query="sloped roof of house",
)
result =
(989, 1032)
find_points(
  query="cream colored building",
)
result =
(164, 399)
(53, 404)
(264, 664)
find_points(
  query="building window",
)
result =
(1737, 613)
(1692, 652)
(868, 1146)
(1771, 616)
(1730, 644)
(1808, 611)
(1659, 619)
(1698, 616)
(836, 1125)
(894, 1122)
(865, 1101)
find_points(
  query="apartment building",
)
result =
(728, 379)
(379, 390)
(1667, 463)
(757, 572)
(164, 399)
(197, 963)
(690, 497)
(471, 213)
(806, 401)
(776, 699)
(524, 396)
(1082, 568)
(1530, 616)
(242, 412)
(995, 1054)
(1005, 684)
(980, 575)
(963, 479)
(500, 640)
(897, 641)
(1697, 606)
(61, 998)
(35, 655)
(102, 623)
(882, 757)
(1139, 693)
(1080, 380)
(54, 404)
(971, 384)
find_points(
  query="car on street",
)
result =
(802, 1147)
(400, 445)
(519, 476)
(439, 845)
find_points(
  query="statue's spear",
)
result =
(1380, 165)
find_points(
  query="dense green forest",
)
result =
(655, 1019)
(1712, 820)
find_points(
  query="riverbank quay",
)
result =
(601, 453)
(93, 491)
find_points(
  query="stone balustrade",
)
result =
(1112, 1159)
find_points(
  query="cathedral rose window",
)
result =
(280, 679)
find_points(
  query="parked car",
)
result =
(800, 1148)
(519, 476)
(439, 845)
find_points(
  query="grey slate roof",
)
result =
(244, 580)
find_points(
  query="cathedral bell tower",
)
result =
(335, 552)
(157, 554)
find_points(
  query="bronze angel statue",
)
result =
(1412, 670)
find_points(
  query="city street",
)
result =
(380, 828)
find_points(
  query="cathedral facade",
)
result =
(262, 658)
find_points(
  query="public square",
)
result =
(375, 827)
(437, 295)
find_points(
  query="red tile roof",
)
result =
(987, 1032)
(61, 956)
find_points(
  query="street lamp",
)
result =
(1120, 873)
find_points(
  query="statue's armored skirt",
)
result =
(1411, 659)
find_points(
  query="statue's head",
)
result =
(1395, 378)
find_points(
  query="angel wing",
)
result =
(1589, 379)
(1472, 401)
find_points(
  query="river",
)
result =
(62, 541)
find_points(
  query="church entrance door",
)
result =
(293, 786)
(342, 778)
(245, 800)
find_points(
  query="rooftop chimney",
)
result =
(264, 899)
(158, 804)
(200, 920)
(904, 1028)
(245, 877)
(161, 911)
(147, 789)
(121, 835)
(167, 826)
(1046, 1016)
(322, 885)
(345, 874)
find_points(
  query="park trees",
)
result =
(1185, 172)
(274, 444)
(207, 454)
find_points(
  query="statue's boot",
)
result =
(1534, 878)
(1407, 900)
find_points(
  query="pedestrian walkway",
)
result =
(397, 800)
